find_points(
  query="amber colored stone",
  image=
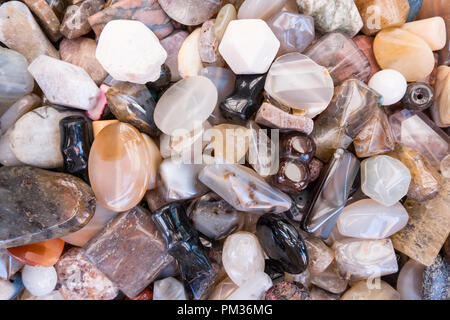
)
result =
(98, 126)
(401, 50)
(365, 44)
(119, 167)
(382, 14)
(44, 254)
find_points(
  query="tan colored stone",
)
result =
(431, 30)
(189, 61)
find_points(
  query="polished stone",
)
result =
(379, 291)
(419, 96)
(75, 23)
(189, 59)
(190, 12)
(414, 8)
(260, 9)
(320, 256)
(229, 142)
(365, 44)
(223, 290)
(46, 16)
(225, 15)
(410, 278)
(440, 110)
(292, 176)
(253, 289)
(44, 254)
(168, 289)
(208, 46)
(8, 265)
(39, 281)
(223, 79)
(431, 30)
(390, 84)
(330, 280)
(17, 110)
(172, 45)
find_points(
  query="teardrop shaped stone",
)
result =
(44, 254)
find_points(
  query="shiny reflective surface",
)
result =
(44, 254)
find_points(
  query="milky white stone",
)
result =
(129, 51)
(410, 279)
(185, 105)
(367, 219)
(391, 84)
(223, 290)
(366, 290)
(384, 179)
(64, 84)
(260, 9)
(7, 290)
(169, 289)
(249, 46)
(189, 61)
(242, 256)
(296, 81)
(39, 280)
(254, 288)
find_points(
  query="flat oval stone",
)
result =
(242, 256)
(409, 282)
(282, 243)
(185, 105)
(119, 162)
(367, 219)
(190, 12)
(189, 59)
(38, 205)
(296, 81)
(44, 254)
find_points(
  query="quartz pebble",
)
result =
(75, 23)
(364, 291)
(39, 280)
(260, 9)
(169, 289)
(391, 84)
(189, 59)
(330, 280)
(223, 290)
(136, 59)
(252, 289)
(208, 45)
(190, 12)
(226, 14)
(409, 283)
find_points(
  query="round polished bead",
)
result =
(391, 84)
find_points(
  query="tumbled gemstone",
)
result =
(445, 167)
(378, 291)
(75, 22)
(365, 44)
(48, 16)
(119, 161)
(185, 105)
(99, 125)
(297, 145)
(168, 289)
(17, 110)
(260, 9)
(244, 189)
(410, 278)
(330, 280)
(223, 79)
(320, 255)
(223, 290)
(390, 84)
(297, 82)
(242, 257)
(419, 96)
(8, 265)
(38, 280)
(249, 46)
(190, 12)
(440, 111)
(287, 291)
(9, 290)
(431, 30)
(208, 45)
(189, 59)
(414, 8)
(45, 253)
(172, 45)
(226, 14)
(320, 294)
(252, 289)
(292, 176)
(229, 142)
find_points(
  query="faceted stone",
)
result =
(223, 79)
(414, 8)
(226, 14)
(9, 290)
(8, 265)
(425, 180)
(119, 162)
(260, 9)
(320, 255)
(440, 110)
(190, 12)
(419, 96)
(416, 131)
(15, 80)
(270, 116)
(352, 107)
(431, 30)
(230, 142)
(39, 281)
(427, 228)
(98, 126)
(81, 280)
(249, 46)
(129, 251)
(81, 52)
(101, 217)
(292, 176)
(330, 193)
(361, 259)
(401, 50)
(333, 15)
(208, 45)
(390, 84)
(75, 23)
(365, 44)
(20, 32)
(320, 294)
(244, 189)
(133, 103)
(341, 56)
(136, 59)
(17, 110)
(64, 83)
(189, 59)
(148, 12)
(410, 278)
(436, 285)
(382, 14)
(376, 136)
(172, 45)
(367, 219)
(242, 257)
(445, 167)
(38, 205)
(297, 82)
(282, 243)
(252, 289)
(384, 179)
(223, 290)
(246, 99)
(185, 105)
(47, 18)
(362, 291)
(294, 31)
(199, 274)
(169, 289)
(330, 280)
(287, 291)
(44, 254)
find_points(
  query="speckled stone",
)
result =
(47, 17)
(75, 23)
(287, 291)
(436, 280)
(190, 12)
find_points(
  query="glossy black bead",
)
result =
(419, 96)
(184, 245)
(282, 243)
(246, 99)
(75, 145)
(273, 269)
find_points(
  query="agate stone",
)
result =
(75, 23)
(190, 12)
(189, 59)
(44, 254)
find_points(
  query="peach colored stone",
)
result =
(98, 126)
(44, 254)
(431, 30)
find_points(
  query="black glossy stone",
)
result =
(282, 243)
(436, 280)
(300, 203)
(419, 96)
(163, 81)
(183, 242)
(246, 99)
(273, 269)
(75, 145)
(297, 145)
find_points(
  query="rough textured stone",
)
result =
(436, 280)
(75, 23)
(363, 291)
(46, 16)
(208, 45)
(287, 291)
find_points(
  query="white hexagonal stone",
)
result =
(129, 51)
(384, 179)
(249, 46)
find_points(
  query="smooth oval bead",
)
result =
(391, 84)
(119, 167)
(409, 282)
